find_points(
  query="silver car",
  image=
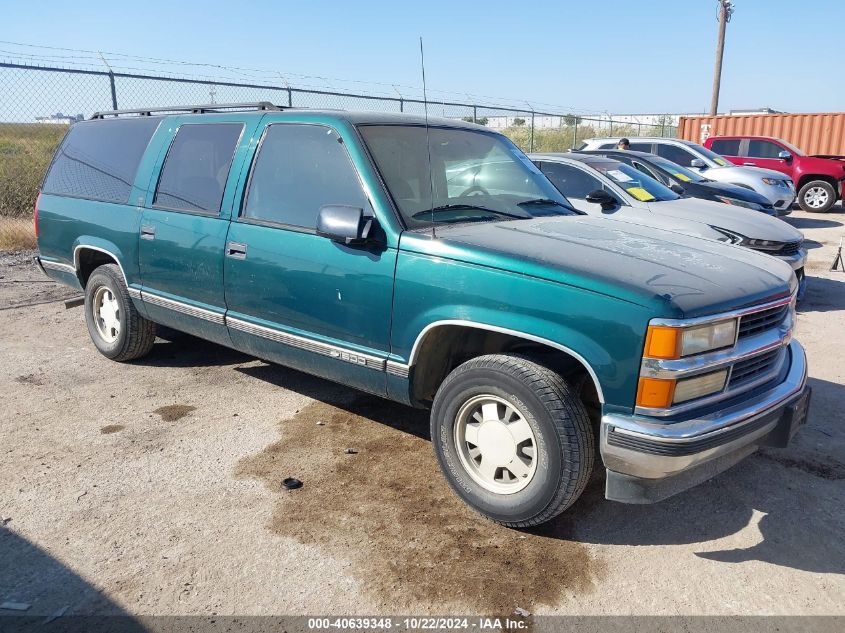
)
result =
(598, 185)
(774, 185)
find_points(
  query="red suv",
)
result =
(819, 179)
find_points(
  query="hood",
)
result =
(746, 222)
(734, 191)
(724, 172)
(679, 275)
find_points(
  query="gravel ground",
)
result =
(154, 488)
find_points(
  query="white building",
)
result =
(59, 119)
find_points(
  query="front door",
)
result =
(184, 225)
(763, 153)
(296, 297)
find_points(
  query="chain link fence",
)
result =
(39, 103)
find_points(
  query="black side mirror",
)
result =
(603, 198)
(784, 155)
(345, 224)
(677, 188)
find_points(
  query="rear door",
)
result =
(185, 221)
(730, 148)
(576, 184)
(296, 297)
(676, 153)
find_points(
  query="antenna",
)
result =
(427, 141)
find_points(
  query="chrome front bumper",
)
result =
(647, 460)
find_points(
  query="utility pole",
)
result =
(726, 9)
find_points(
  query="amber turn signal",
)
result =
(662, 342)
(655, 393)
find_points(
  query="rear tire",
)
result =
(512, 438)
(115, 326)
(817, 196)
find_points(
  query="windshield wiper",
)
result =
(471, 207)
(543, 201)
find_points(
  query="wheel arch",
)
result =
(87, 257)
(453, 341)
(808, 178)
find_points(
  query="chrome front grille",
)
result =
(751, 369)
(756, 322)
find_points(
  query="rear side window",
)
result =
(726, 146)
(300, 168)
(98, 160)
(195, 171)
(571, 181)
(641, 147)
(676, 154)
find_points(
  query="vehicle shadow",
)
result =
(823, 295)
(785, 491)
(814, 223)
(59, 599)
(791, 490)
(400, 417)
(185, 350)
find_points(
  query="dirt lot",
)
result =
(154, 488)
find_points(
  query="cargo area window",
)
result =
(197, 166)
(98, 160)
(300, 168)
(571, 181)
(676, 154)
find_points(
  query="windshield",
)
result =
(475, 176)
(681, 173)
(721, 162)
(636, 183)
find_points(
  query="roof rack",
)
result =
(194, 109)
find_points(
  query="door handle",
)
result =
(148, 232)
(236, 250)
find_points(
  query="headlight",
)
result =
(753, 243)
(660, 393)
(675, 342)
(776, 182)
(665, 342)
(699, 386)
(762, 245)
(739, 203)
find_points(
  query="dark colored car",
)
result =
(693, 184)
(820, 179)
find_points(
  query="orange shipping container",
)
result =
(822, 133)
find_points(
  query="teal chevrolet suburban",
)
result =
(431, 263)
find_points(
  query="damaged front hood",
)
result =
(689, 276)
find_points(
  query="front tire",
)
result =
(512, 438)
(115, 326)
(817, 196)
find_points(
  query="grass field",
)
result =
(16, 234)
(25, 153)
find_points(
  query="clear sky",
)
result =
(621, 56)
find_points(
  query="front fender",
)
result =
(604, 333)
